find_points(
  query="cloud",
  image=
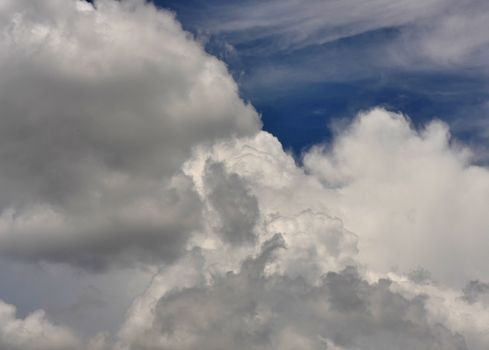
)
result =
(475, 290)
(441, 37)
(124, 144)
(290, 203)
(402, 198)
(236, 208)
(294, 25)
(454, 38)
(413, 197)
(100, 108)
(319, 274)
(33, 332)
(250, 309)
(433, 33)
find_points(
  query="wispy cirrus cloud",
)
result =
(437, 32)
(383, 51)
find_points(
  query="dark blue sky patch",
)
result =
(302, 116)
(301, 91)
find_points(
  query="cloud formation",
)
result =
(413, 196)
(100, 108)
(123, 143)
(32, 332)
(248, 309)
(436, 33)
(309, 280)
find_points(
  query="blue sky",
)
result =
(308, 74)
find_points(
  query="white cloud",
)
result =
(426, 36)
(455, 38)
(296, 24)
(412, 197)
(33, 332)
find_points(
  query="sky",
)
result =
(305, 65)
(180, 175)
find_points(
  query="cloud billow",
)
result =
(100, 108)
(33, 332)
(248, 310)
(308, 281)
(122, 144)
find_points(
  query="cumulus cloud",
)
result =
(122, 142)
(407, 199)
(250, 309)
(237, 210)
(100, 108)
(309, 281)
(413, 196)
(32, 332)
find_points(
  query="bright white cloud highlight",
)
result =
(413, 197)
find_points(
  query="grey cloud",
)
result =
(100, 108)
(235, 206)
(96, 124)
(250, 309)
(33, 332)
(476, 291)
(296, 293)
(121, 232)
(420, 276)
(371, 316)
